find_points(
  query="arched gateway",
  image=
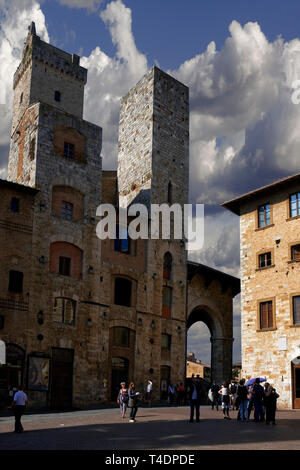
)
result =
(210, 295)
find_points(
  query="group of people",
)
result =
(244, 398)
(176, 394)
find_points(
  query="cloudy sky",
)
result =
(239, 61)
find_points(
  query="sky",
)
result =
(239, 60)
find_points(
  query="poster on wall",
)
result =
(38, 373)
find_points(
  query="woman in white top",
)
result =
(123, 398)
(225, 399)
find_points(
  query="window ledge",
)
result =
(295, 326)
(293, 218)
(293, 261)
(263, 228)
(266, 329)
(265, 267)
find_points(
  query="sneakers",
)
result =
(132, 420)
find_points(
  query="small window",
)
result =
(167, 269)
(64, 310)
(57, 96)
(15, 282)
(264, 218)
(123, 292)
(64, 266)
(121, 336)
(32, 149)
(295, 253)
(67, 210)
(15, 204)
(296, 310)
(167, 302)
(69, 150)
(265, 259)
(295, 205)
(122, 244)
(266, 314)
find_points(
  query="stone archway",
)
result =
(210, 294)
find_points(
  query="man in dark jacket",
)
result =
(194, 392)
(258, 396)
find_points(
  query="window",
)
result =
(166, 347)
(32, 149)
(66, 210)
(266, 314)
(295, 205)
(15, 204)
(265, 259)
(167, 270)
(64, 266)
(15, 281)
(264, 218)
(121, 337)
(69, 150)
(296, 310)
(57, 95)
(122, 292)
(64, 310)
(167, 302)
(122, 244)
(295, 252)
(170, 192)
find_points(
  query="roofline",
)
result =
(234, 205)
(19, 187)
(232, 281)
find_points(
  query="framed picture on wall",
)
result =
(38, 373)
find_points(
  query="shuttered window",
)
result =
(296, 310)
(266, 315)
(295, 252)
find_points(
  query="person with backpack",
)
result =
(242, 398)
(133, 402)
(123, 399)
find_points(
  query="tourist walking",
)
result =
(225, 394)
(258, 396)
(19, 404)
(270, 400)
(215, 395)
(149, 392)
(123, 399)
(195, 398)
(242, 398)
(133, 402)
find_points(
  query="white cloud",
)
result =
(90, 5)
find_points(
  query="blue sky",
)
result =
(239, 60)
(171, 31)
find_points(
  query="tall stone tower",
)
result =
(153, 168)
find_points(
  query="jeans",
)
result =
(258, 410)
(195, 404)
(243, 409)
(133, 412)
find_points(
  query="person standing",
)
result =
(181, 394)
(123, 399)
(171, 394)
(133, 402)
(270, 400)
(242, 397)
(19, 404)
(258, 396)
(194, 398)
(149, 392)
(233, 394)
(215, 395)
(225, 393)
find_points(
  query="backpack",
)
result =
(233, 389)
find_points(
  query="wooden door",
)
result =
(62, 378)
(296, 386)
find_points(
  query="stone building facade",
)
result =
(97, 312)
(270, 273)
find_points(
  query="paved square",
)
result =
(155, 428)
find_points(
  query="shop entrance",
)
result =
(296, 386)
(62, 378)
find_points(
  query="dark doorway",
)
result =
(119, 373)
(62, 378)
(296, 386)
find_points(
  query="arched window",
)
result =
(167, 271)
(67, 202)
(66, 259)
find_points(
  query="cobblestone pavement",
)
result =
(155, 428)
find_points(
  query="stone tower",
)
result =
(153, 168)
